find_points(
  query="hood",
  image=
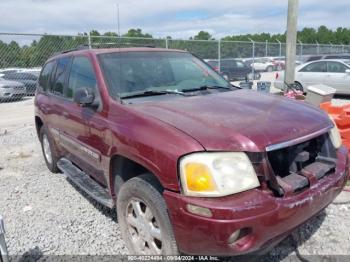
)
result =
(240, 120)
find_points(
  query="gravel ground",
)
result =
(46, 215)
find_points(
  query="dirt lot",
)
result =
(46, 215)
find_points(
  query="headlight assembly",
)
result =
(217, 174)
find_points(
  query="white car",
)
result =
(263, 64)
(10, 90)
(333, 73)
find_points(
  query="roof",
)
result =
(331, 60)
(98, 51)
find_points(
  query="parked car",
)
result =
(310, 58)
(3, 247)
(233, 69)
(28, 79)
(334, 73)
(10, 90)
(264, 64)
(192, 164)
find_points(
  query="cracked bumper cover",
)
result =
(268, 218)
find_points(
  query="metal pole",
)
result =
(291, 41)
(280, 53)
(266, 48)
(89, 40)
(318, 48)
(166, 43)
(118, 20)
(253, 54)
(301, 48)
(342, 48)
(219, 55)
(331, 47)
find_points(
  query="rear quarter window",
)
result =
(45, 76)
(59, 80)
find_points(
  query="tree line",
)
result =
(14, 54)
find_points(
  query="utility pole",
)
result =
(291, 41)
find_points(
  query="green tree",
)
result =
(137, 33)
(202, 35)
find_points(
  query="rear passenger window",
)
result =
(60, 76)
(45, 76)
(81, 75)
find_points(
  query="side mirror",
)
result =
(84, 96)
(347, 71)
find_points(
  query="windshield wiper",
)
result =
(206, 87)
(153, 92)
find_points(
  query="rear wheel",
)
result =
(48, 150)
(269, 69)
(143, 218)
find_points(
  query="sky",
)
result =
(161, 18)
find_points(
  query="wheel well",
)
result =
(123, 169)
(38, 124)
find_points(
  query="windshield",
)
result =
(128, 73)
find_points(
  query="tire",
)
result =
(140, 209)
(299, 86)
(279, 68)
(269, 69)
(47, 144)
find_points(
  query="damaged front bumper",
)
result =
(250, 221)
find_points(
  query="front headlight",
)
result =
(217, 174)
(335, 135)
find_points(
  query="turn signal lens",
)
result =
(198, 178)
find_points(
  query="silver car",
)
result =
(334, 73)
(3, 248)
(11, 90)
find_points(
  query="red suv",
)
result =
(192, 164)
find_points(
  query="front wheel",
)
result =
(143, 218)
(47, 148)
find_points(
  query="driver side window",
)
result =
(81, 75)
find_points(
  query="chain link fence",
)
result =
(22, 55)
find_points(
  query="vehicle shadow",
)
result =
(108, 212)
(288, 247)
(32, 255)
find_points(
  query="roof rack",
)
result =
(80, 47)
